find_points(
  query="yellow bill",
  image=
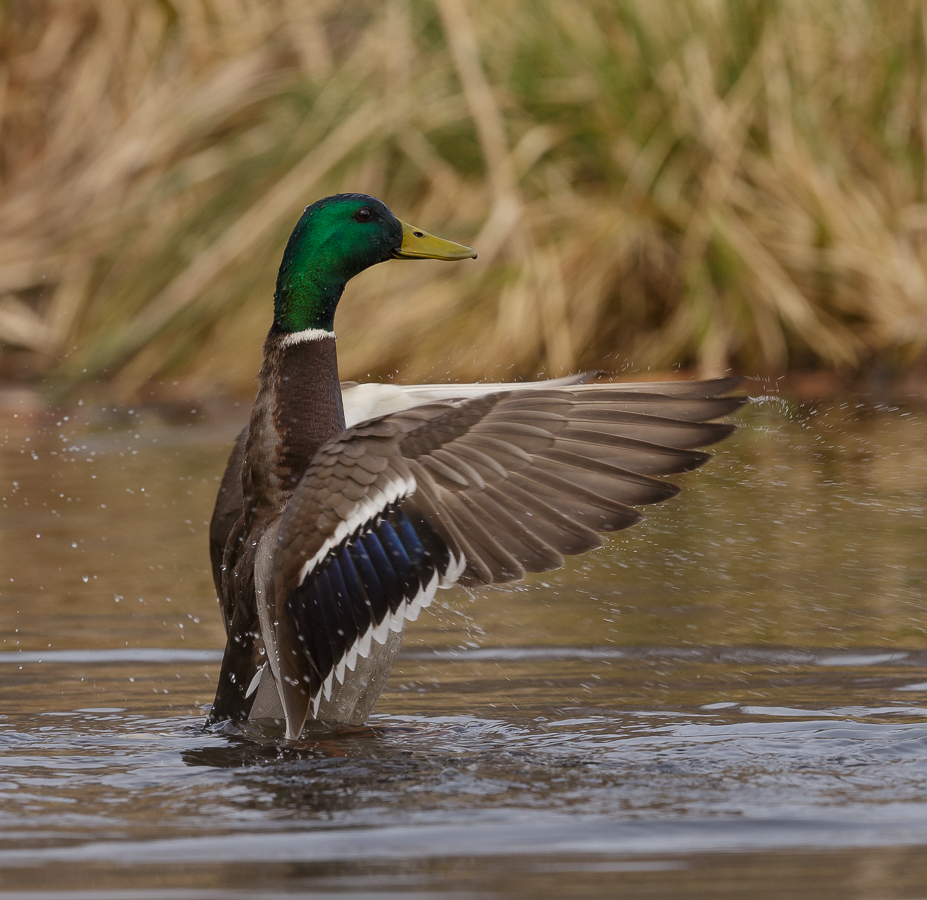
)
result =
(418, 244)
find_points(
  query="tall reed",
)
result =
(652, 183)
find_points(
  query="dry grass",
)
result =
(649, 182)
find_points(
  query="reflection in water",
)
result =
(745, 671)
(255, 743)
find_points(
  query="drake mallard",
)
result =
(343, 511)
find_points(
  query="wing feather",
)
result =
(225, 516)
(473, 490)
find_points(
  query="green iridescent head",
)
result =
(336, 239)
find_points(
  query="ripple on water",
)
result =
(740, 673)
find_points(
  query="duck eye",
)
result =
(363, 214)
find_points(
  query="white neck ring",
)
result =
(310, 334)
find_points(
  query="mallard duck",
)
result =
(343, 510)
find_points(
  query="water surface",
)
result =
(727, 700)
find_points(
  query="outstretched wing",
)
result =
(473, 491)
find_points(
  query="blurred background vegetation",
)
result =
(649, 183)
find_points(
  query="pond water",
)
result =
(728, 700)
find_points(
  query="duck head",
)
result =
(336, 239)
